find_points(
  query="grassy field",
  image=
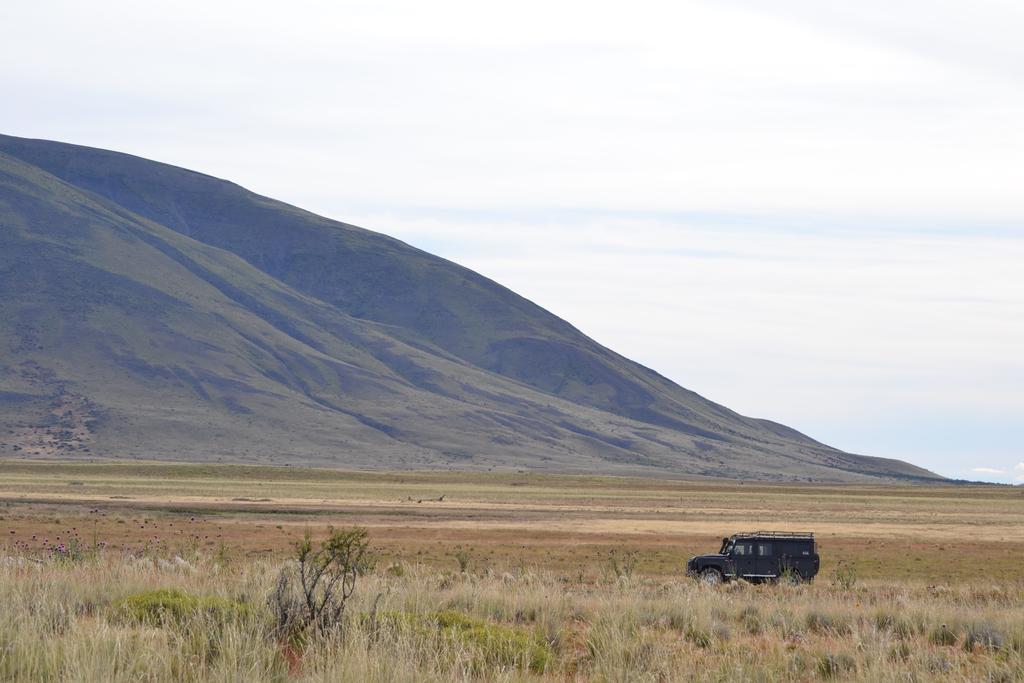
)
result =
(508, 576)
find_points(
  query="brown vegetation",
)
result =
(167, 572)
(115, 617)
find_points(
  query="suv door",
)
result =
(766, 562)
(789, 557)
(743, 558)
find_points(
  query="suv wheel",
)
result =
(711, 576)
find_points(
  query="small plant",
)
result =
(463, 556)
(820, 622)
(790, 577)
(899, 627)
(938, 664)
(69, 552)
(942, 636)
(173, 606)
(832, 666)
(844, 576)
(750, 617)
(222, 557)
(190, 547)
(624, 565)
(314, 590)
(983, 636)
(698, 636)
(900, 652)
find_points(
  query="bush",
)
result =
(314, 590)
(170, 605)
(983, 636)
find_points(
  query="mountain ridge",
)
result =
(341, 343)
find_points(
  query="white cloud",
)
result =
(793, 324)
(670, 106)
(987, 470)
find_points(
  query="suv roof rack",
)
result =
(778, 534)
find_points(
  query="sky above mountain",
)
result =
(809, 211)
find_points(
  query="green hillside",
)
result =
(153, 312)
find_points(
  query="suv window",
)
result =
(742, 549)
(764, 549)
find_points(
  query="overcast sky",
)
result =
(808, 210)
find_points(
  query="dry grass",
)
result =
(63, 620)
(498, 577)
(562, 523)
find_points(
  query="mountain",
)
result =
(154, 312)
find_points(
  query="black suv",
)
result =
(759, 556)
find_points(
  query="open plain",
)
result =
(498, 576)
(504, 520)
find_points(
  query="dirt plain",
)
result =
(581, 526)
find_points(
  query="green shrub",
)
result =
(171, 605)
(498, 645)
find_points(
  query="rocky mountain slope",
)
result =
(154, 312)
